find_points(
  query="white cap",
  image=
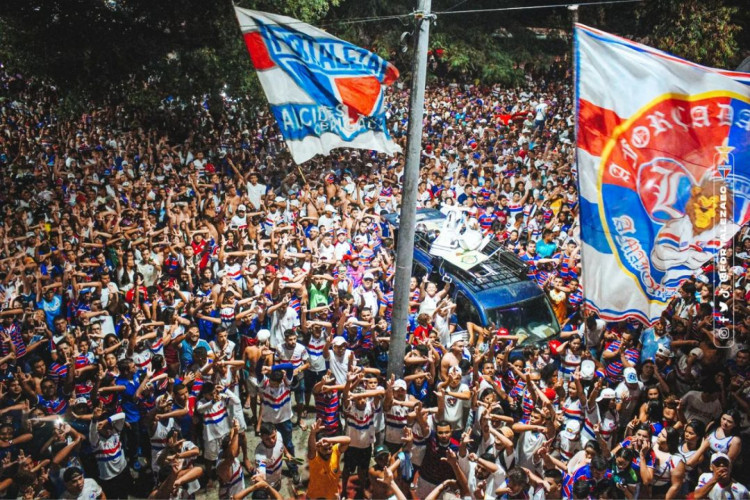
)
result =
(368, 276)
(242, 208)
(664, 351)
(455, 338)
(263, 335)
(719, 456)
(572, 428)
(588, 369)
(339, 341)
(280, 199)
(698, 352)
(631, 376)
(606, 394)
(329, 208)
(399, 384)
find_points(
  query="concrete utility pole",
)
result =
(574, 10)
(408, 215)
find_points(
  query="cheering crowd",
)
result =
(180, 310)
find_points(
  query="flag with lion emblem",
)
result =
(664, 171)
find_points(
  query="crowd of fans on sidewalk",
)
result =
(166, 300)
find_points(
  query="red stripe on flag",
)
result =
(359, 94)
(595, 127)
(258, 51)
(391, 74)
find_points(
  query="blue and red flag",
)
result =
(324, 92)
(664, 170)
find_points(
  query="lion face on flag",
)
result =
(707, 203)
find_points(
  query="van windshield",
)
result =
(532, 319)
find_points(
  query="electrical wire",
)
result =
(364, 20)
(531, 7)
(372, 19)
(458, 4)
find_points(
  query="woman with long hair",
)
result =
(693, 450)
(652, 394)
(601, 410)
(723, 438)
(666, 472)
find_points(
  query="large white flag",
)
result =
(324, 92)
(664, 170)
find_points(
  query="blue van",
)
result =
(492, 289)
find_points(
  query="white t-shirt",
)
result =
(328, 222)
(454, 407)
(369, 297)
(326, 252)
(255, 194)
(91, 490)
(360, 424)
(593, 336)
(492, 482)
(694, 407)
(629, 397)
(340, 366)
(528, 443)
(541, 111)
(735, 490)
(269, 461)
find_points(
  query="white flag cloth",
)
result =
(664, 171)
(324, 92)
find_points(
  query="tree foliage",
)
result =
(704, 31)
(136, 49)
(141, 51)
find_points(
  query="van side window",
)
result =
(418, 271)
(465, 310)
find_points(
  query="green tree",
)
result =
(704, 31)
(136, 50)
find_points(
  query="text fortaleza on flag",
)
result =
(324, 92)
(664, 170)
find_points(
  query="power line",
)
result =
(531, 7)
(361, 20)
(458, 4)
(372, 19)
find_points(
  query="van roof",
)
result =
(499, 268)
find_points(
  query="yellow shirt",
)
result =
(325, 476)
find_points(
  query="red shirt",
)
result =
(421, 334)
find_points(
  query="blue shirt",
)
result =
(545, 250)
(206, 327)
(127, 397)
(186, 351)
(51, 310)
(651, 343)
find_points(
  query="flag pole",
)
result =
(408, 213)
(574, 18)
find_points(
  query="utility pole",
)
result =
(574, 10)
(408, 214)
